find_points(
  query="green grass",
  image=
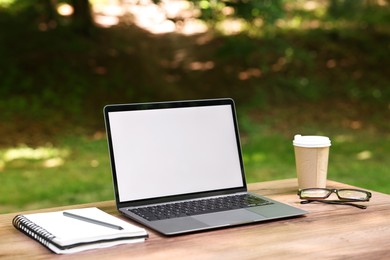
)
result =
(358, 155)
(361, 159)
(356, 159)
(80, 174)
(77, 170)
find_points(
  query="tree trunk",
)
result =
(82, 17)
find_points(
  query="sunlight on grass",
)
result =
(364, 155)
(157, 17)
(254, 157)
(78, 169)
(343, 138)
(51, 156)
(75, 170)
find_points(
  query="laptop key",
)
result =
(197, 207)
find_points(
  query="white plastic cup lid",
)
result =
(311, 141)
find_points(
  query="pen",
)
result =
(93, 221)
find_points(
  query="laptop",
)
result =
(177, 167)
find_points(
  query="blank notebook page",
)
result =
(70, 231)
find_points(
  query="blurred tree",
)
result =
(50, 11)
(82, 16)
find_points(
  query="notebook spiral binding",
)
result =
(36, 232)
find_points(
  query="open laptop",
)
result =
(177, 167)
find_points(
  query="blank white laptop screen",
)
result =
(174, 151)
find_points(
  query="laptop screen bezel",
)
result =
(165, 105)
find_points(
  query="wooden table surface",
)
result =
(327, 232)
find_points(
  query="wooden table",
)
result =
(328, 231)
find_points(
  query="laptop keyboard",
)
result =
(197, 207)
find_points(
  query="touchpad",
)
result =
(231, 217)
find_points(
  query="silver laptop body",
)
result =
(173, 152)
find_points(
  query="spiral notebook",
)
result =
(64, 234)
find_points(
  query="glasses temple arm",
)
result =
(335, 202)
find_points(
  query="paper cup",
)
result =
(311, 159)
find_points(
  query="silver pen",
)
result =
(90, 220)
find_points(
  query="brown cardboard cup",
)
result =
(311, 159)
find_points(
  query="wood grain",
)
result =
(327, 232)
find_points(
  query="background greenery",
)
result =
(293, 67)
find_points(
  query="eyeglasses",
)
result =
(345, 196)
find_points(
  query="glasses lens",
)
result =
(314, 193)
(353, 195)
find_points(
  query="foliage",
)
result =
(268, 14)
(339, 58)
(308, 53)
(294, 67)
(44, 14)
(267, 10)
